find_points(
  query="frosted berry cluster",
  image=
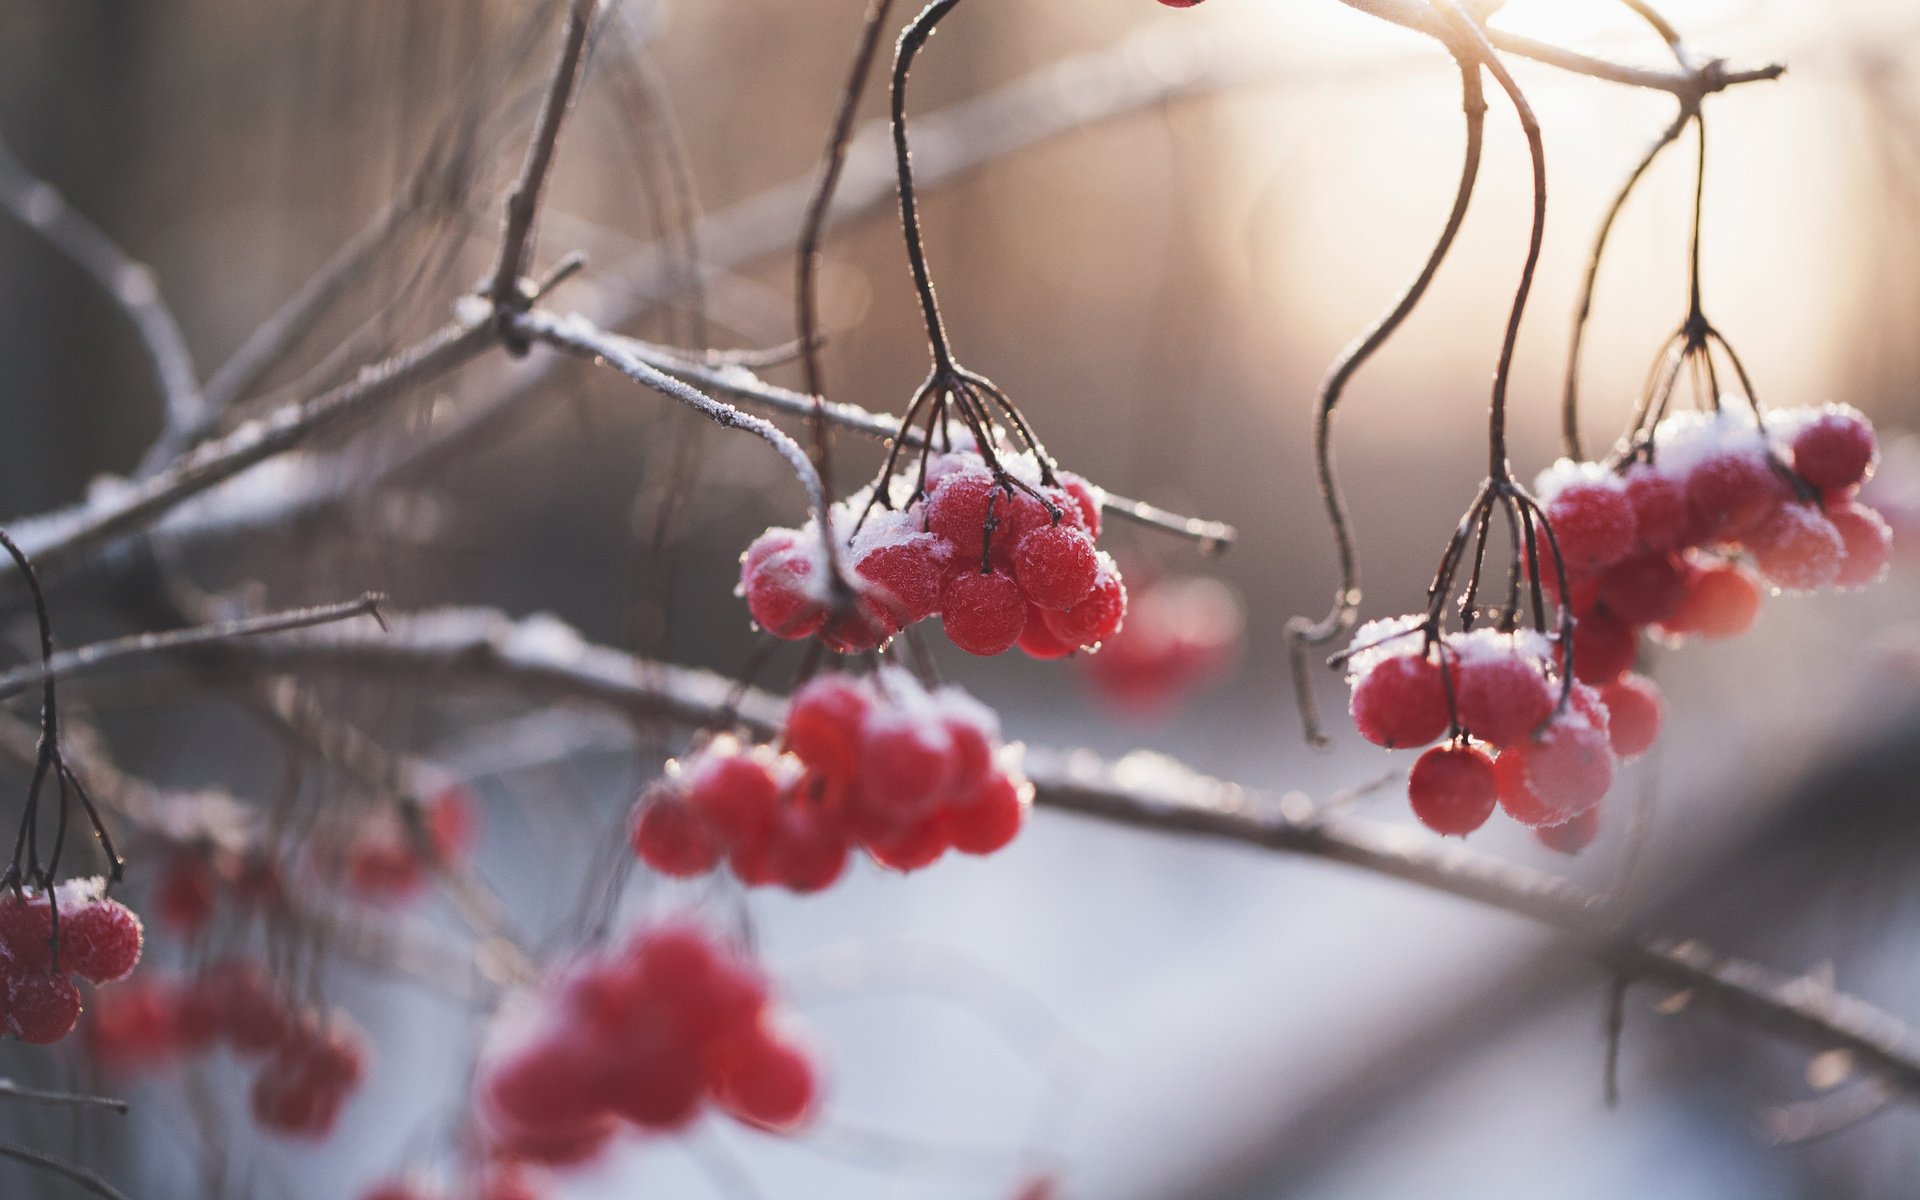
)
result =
(1510, 743)
(877, 762)
(393, 850)
(997, 566)
(647, 1035)
(311, 1061)
(1669, 544)
(99, 941)
(1180, 634)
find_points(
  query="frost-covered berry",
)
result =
(1098, 616)
(1039, 641)
(1835, 450)
(1500, 695)
(1055, 565)
(983, 614)
(1451, 789)
(1086, 498)
(1645, 588)
(1730, 493)
(1401, 702)
(732, 792)
(1552, 777)
(767, 1081)
(42, 1007)
(823, 724)
(1661, 517)
(1571, 836)
(958, 510)
(1797, 548)
(781, 595)
(903, 579)
(1867, 542)
(808, 852)
(1721, 601)
(906, 762)
(100, 941)
(1604, 647)
(988, 819)
(1634, 714)
(184, 899)
(668, 836)
(1594, 524)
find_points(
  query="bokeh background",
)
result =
(1161, 290)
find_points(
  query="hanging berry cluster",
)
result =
(647, 1035)
(311, 1061)
(99, 941)
(394, 849)
(1003, 559)
(877, 762)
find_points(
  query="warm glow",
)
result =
(1572, 22)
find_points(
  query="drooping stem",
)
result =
(911, 40)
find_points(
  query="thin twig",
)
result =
(9, 1090)
(89, 659)
(542, 659)
(59, 1166)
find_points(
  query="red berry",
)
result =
(906, 763)
(656, 1076)
(100, 942)
(1730, 493)
(1604, 647)
(253, 1017)
(1085, 497)
(1401, 703)
(1570, 836)
(1593, 523)
(1055, 565)
(1634, 713)
(733, 793)
(1096, 618)
(823, 724)
(1038, 640)
(1797, 549)
(767, 545)
(1500, 697)
(184, 899)
(1721, 601)
(1451, 789)
(1548, 779)
(132, 1028)
(1868, 544)
(808, 852)
(904, 579)
(919, 845)
(1835, 451)
(983, 614)
(42, 1007)
(780, 595)
(1661, 518)
(989, 818)
(668, 836)
(957, 513)
(767, 1082)
(26, 933)
(1645, 588)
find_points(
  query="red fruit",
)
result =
(668, 836)
(1550, 779)
(983, 614)
(1661, 516)
(1500, 698)
(1835, 451)
(957, 512)
(767, 1082)
(1868, 543)
(906, 762)
(658, 1080)
(780, 596)
(972, 752)
(100, 941)
(904, 579)
(1604, 648)
(1038, 640)
(26, 933)
(1055, 565)
(808, 853)
(1401, 703)
(184, 899)
(858, 629)
(1634, 713)
(1645, 588)
(1085, 498)
(989, 818)
(1594, 524)
(132, 1028)
(252, 1016)
(823, 724)
(764, 547)
(1097, 617)
(1797, 548)
(919, 845)
(1721, 601)
(1452, 790)
(732, 793)
(1730, 493)
(1571, 836)
(42, 1007)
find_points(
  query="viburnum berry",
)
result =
(823, 724)
(1721, 601)
(1038, 639)
(1604, 648)
(733, 792)
(1835, 450)
(1867, 543)
(983, 614)
(1634, 715)
(1570, 836)
(42, 1007)
(1401, 702)
(989, 818)
(1730, 494)
(1086, 498)
(1098, 616)
(905, 578)
(807, 853)
(302, 1089)
(1594, 524)
(100, 941)
(669, 837)
(783, 593)
(913, 848)
(1645, 588)
(1556, 774)
(1055, 565)
(1660, 512)
(1797, 548)
(184, 900)
(958, 509)
(766, 1081)
(1451, 789)
(135, 1027)
(1499, 693)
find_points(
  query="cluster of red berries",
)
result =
(1661, 544)
(877, 762)
(508, 1181)
(395, 848)
(1512, 742)
(311, 1061)
(99, 941)
(1180, 635)
(1002, 564)
(647, 1034)
(198, 874)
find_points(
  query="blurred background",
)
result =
(1232, 194)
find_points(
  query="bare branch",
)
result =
(59, 1166)
(86, 660)
(544, 659)
(130, 284)
(9, 1090)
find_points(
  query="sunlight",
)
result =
(1574, 22)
